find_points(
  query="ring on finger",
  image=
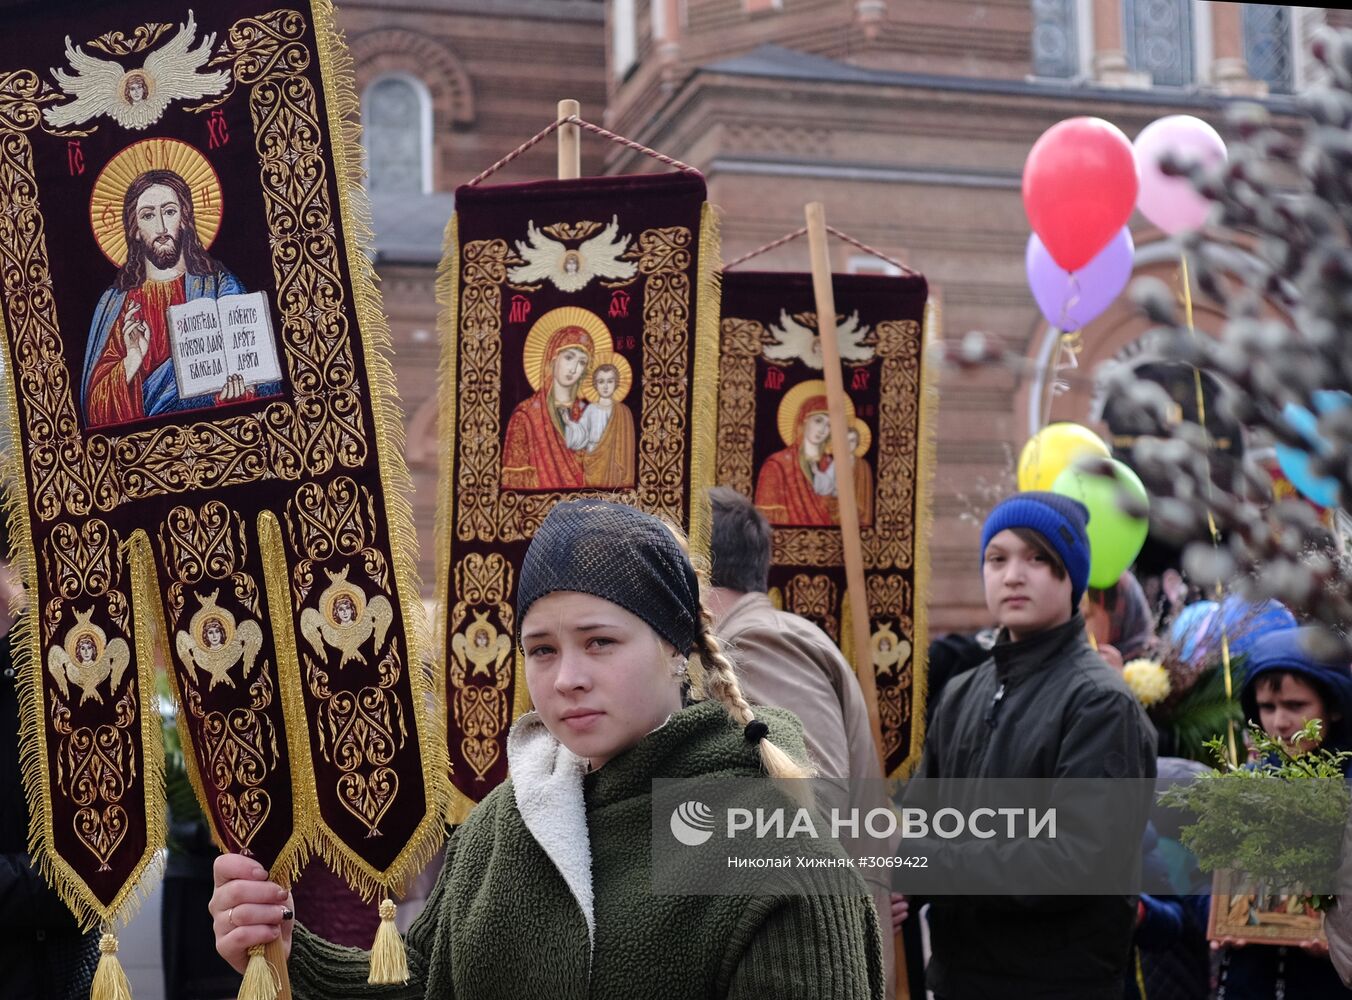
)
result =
(230, 917)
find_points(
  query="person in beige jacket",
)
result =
(785, 661)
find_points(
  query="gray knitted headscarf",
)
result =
(619, 554)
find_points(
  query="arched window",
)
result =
(1056, 50)
(397, 128)
(1267, 45)
(1160, 40)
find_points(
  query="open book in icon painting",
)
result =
(212, 339)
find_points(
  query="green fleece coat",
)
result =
(546, 893)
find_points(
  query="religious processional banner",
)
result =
(774, 446)
(580, 341)
(207, 448)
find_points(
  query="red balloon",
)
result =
(1079, 188)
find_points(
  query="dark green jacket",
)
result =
(546, 893)
(1045, 707)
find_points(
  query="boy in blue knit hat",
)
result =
(1045, 705)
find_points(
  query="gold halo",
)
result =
(80, 631)
(533, 353)
(865, 437)
(197, 625)
(623, 383)
(105, 204)
(350, 591)
(794, 399)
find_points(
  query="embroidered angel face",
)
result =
(214, 633)
(344, 611)
(599, 676)
(134, 88)
(86, 651)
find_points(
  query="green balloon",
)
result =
(1115, 537)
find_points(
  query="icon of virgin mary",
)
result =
(559, 352)
(796, 485)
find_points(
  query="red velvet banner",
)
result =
(774, 446)
(581, 337)
(207, 439)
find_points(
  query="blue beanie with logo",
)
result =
(1063, 522)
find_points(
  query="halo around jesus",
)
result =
(623, 383)
(105, 203)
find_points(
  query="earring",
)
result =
(679, 665)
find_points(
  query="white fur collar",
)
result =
(547, 779)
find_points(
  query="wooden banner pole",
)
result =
(856, 588)
(840, 447)
(570, 142)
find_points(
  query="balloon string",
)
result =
(1210, 518)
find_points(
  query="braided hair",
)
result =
(719, 681)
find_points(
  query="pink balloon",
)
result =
(1172, 203)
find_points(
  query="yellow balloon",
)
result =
(1052, 450)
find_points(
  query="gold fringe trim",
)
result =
(110, 979)
(926, 461)
(704, 381)
(344, 108)
(458, 804)
(26, 659)
(304, 790)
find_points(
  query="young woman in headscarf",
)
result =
(547, 889)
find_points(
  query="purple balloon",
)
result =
(1069, 301)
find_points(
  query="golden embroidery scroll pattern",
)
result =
(305, 250)
(237, 747)
(482, 663)
(893, 544)
(360, 730)
(96, 765)
(53, 446)
(664, 260)
(814, 596)
(229, 452)
(485, 264)
(336, 520)
(890, 599)
(739, 346)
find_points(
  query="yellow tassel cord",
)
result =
(261, 981)
(336, 68)
(389, 960)
(110, 980)
(704, 382)
(924, 517)
(1228, 672)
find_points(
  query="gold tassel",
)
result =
(389, 960)
(260, 979)
(110, 981)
